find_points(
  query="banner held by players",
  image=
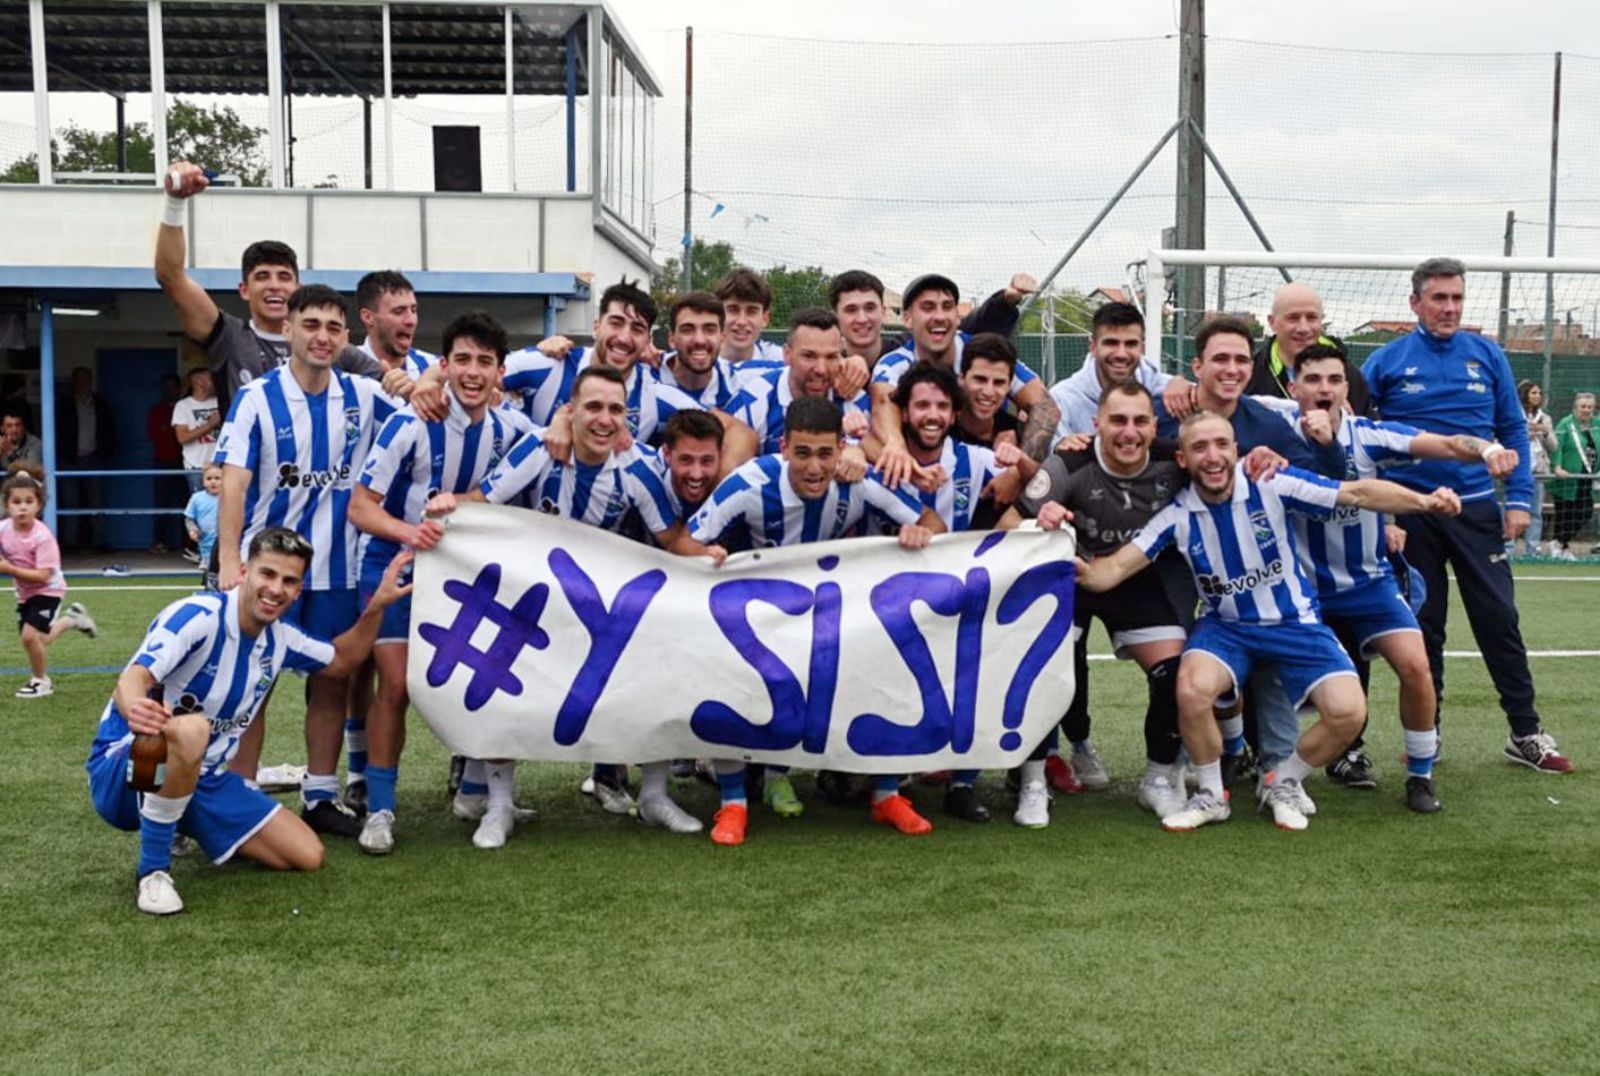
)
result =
(535, 638)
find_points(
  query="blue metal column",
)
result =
(572, 108)
(47, 408)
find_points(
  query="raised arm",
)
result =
(197, 312)
(1039, 432)
(1466, 448)
(351, 649)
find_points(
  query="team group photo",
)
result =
(540, 639)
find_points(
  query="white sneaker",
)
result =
(1160, 796)
(587, 788)
(497, 824)
(1302, 798)
(1202, 808)
(36, 688)
(613, 800)
(377, 834)
(1090, 770)
(78, 616)
(1283, 796)
(662, 811)
(280, 778)
(157, 894)
(471, 808)
(1033, 806)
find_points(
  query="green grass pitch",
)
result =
(1376, 942)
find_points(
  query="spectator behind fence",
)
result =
(1577, 441)
(195, 421)
(17, 445)
(86, 436)
(1541, 443)
(167, 528)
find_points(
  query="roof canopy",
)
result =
(328, 49)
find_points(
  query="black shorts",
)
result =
(39, 611)
(1140, 610)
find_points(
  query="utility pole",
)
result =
(1191, 208)
(1505, 278)
(1550, 233)
(688, 158)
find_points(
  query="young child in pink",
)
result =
(30, 555)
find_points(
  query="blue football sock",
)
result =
(158, 821)
(885, 785)
(381, 781)
(474, 778)
(731, 785)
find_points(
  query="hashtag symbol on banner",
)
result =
(491, 668)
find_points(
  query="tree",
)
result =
(712, 262)
(796, 289)
(1073, 314)
(215, 138)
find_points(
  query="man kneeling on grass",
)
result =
(197, 682)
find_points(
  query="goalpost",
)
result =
(1365, 297)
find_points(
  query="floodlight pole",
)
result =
(41, 93)
(688, 158)
(1550, 232)
(158, 90)
(1505, 278)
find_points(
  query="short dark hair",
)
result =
(929, 373)
(1220, 326)
(1129, 387)
(281, 540)
(745, 285)
(1116, 316)
(1434, 269)
(194, 372)
(929, 282)
(697, 425)
(701, 302)
(853, 280)
(318, 295)
(374, 286)
(813, 414)
(268, 252)
(1314, 352)
(478, 326)
(812, 317)
(991, 346)
(599, 373)
(628, 293)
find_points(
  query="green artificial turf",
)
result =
(1375, 942)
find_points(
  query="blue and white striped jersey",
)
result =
(545, 383)
(767, 354)
(893, 366)
(759, 498)
(204, 664)
(302, 452)
(763, 401)
(412, 459)
(417, 360)
(968, 469)
(726, 380)
(599, 495)
(1349, 548)
(1243, 553)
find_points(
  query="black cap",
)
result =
(929, 282)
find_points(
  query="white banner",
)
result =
(537, 638)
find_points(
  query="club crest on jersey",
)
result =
(1262, 527)
(352, 423)
(963, 494)
(1162, 492)
(841, 512)
(1472, 371)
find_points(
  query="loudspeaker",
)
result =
(457, 159)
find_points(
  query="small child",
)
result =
(201, 518)
(30, 555)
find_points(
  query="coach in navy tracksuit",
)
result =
(1450, 382)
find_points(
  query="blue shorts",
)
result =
(1305, 654)
(327, 614)
(1370, 610)
(224, 813)
(395, 628)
